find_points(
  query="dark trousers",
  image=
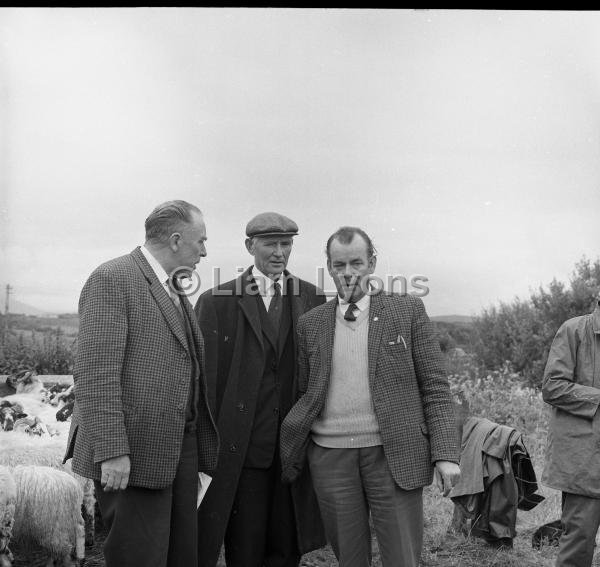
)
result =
(580, 520)
(262, 529)
(154, 528)
(350, 483)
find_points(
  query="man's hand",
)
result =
(446, 475)
(115, 473)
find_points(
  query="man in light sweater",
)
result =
(375, 418)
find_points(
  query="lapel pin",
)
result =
(375, 318)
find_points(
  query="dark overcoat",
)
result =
(235, 361)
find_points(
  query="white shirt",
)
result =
(162, 276)
(266, 286)
(363, 304)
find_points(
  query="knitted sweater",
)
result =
(348, 417)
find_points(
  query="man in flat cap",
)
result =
(249, 328)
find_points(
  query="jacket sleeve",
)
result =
(560, 388)
(102, 342)
(434, 387)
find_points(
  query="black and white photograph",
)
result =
(299, 287)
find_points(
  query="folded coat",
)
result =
(497, 478)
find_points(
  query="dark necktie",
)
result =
(349, 315)
(174, 293)
(275, 306)
(179, 298)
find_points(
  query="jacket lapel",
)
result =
(265, 323)
(327, 335)
(248, 303)
(165, 303)
(376, 326)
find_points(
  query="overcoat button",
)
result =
(233, 448)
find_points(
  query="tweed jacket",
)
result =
(132, 377)
(571, 386)
(235, 360)
(408, 385)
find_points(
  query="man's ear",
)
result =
(174, 241)
(249, 242)
(372, 263)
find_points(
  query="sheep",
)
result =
(28, 382)
(31, 426)
(61, 393)
(66, 411)
(18, 448)
(33, 407)
(8, 500)
(48, 512)
(9, 413)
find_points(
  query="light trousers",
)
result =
(350, 483)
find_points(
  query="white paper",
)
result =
(203, 482)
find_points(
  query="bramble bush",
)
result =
(499, 395)
(48, 352)
(521, 332)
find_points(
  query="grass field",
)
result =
(501, 397)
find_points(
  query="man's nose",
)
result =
(278, 251)
(348, 272)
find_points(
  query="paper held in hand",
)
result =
(203, 482)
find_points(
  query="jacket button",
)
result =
(276, 410)
(273, 364)
(241, 406)
(233, 448)
(184, 355)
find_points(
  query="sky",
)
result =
(465, 142)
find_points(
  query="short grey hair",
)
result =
(168, 218)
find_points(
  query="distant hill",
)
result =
(20, 308)
(68, 323)
(453, 319)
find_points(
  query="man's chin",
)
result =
(275, 271)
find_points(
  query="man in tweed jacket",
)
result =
(376, 415)
(142, 427)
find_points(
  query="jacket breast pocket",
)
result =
(396, 347)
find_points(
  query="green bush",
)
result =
(520, 333)
(499, 395)
(47, 352)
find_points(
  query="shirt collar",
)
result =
(162, 276)
(363, 303)
(264, 282)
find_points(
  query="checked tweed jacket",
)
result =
(132, 377)
(408, 386)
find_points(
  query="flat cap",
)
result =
(270, 224)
